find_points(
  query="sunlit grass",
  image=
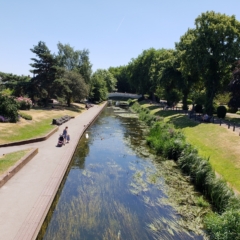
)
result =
(212, 141)
(38, 127)
(8, 160)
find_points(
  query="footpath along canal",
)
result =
(116, 189)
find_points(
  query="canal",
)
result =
(116, 189)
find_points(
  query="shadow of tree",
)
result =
(182, 121)
(153, 107)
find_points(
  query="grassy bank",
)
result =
(217, 143)
(39, 126)
(171, 143)
(8, 160)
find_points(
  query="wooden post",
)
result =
(220, 121)
(234, 127)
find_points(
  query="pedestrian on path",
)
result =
(65, 134)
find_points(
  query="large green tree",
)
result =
(144, 70)
(170, 78)
(78, 60)
(45, 69)
(216, 44)
(74, 87)
(99, 88)
(122, 76)
(191, 82)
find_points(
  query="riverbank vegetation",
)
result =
(171, 143)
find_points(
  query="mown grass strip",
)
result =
(8, 160)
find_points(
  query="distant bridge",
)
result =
(126, 95)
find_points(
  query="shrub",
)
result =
(8, 108)
(201, 202)
(225, 226)
(24, 103)
(25, 116)
(198, 108)
(221, 111)
(189, 101)
(219, 193)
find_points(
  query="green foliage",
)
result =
(169, 143)
(75, 60)
(221, 111)
(122, 76)
(8, 108)
(166, 141)
(98, 89)
(25, 116)
(45, 73)
(109, 79)
(144, 113)
(225, 226)
(223, 98)
(201, 202)
(74, 87)
(7, 91)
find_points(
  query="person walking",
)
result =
(65, 134)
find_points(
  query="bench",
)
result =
(61, 120)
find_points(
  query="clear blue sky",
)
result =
(113, 31)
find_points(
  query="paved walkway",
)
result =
(27, 196)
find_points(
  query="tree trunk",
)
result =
(69, 102)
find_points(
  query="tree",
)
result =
(170, 78)
(74, 86)
(108, 78)
(67, 57)
(45, 71)
(122, 76)
(98, 90)
(191, 84)
(234, 87)
(17, 84)
(85, 66)
(217, 46)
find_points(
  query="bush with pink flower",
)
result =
(24, 103)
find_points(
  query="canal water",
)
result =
(116, 189)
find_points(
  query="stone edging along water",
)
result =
(33, 223)
(17, 166)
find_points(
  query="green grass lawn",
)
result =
(8, 160)
(31, 130)
(39, 126)
(219, 144)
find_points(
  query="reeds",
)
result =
(171, 144)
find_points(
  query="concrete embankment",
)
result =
(26, 198)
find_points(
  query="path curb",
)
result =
(17, 166)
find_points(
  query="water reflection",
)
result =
(112, 191)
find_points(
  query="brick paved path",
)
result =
(27, 196)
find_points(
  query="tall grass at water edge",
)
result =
(166, 141)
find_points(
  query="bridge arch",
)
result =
(126, 95)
